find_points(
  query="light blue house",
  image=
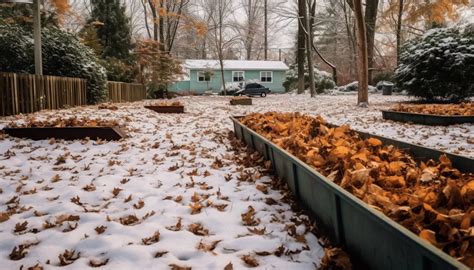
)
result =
(204, 76)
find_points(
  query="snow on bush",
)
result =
(232, 86)
(63, 55)
(15, 50)
(439, 65)
(354, 87)
(322, 79)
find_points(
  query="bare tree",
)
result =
(349, 25)
(251, 26)
(219, 12)
(363, 68)
(137, 21)
(166, 16)
(308, 15)
(399, 28)
(371, 8)
(265, 11)
(75, 18)
(301, 44)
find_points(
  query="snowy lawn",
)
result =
(175, 193)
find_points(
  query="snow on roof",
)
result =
(235, 65)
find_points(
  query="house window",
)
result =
(204, 76)
(238, 76)
(266, 76)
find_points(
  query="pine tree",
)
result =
(113, 28)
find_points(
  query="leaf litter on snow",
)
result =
(151, 167)
(171, 195)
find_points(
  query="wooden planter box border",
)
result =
(247, 101)
(166, 109)
(67, 133)
(426, 119)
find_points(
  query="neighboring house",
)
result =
(205, 75)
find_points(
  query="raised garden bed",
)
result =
(241, 101)
(67, 129)
(107, 106)
(175, 107)
(374, 240)
(67, 133)
(432, 114)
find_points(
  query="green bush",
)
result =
(120, 70)
(439, 66)
(322, 80)
(383, 76)
(63, 55)
(15, 50)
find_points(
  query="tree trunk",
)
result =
(370, 22)
(249, 37)
(221, 50)
(301, 45)
(309, 50)
(399, 30)
(203, 52)
(311, 23)
(363, 95)
(147, 27)
(350, 40)
(155, 19)
(266, 29)
(221, 62)
(161, 26)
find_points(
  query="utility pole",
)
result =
(279, 54)
(266, 28)
(37, 37)
(37, 30)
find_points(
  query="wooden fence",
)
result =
(27, 93)
(126, 92)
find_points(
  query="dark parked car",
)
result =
(253, 89)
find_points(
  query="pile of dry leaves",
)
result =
(32, 122)
(432, 199)
(461, 109)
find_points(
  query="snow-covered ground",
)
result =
(176, 175)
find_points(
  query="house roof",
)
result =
(235, 65)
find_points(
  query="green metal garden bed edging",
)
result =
(426, 119)
(67, 133)
(373, 240)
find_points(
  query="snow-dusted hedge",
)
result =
(16, 51)
(63, 55)
(322, 80)
(439, 65)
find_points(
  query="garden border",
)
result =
(67, 133)
(166, 109)
(246, 101)
(373, 240)
(426, 119)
